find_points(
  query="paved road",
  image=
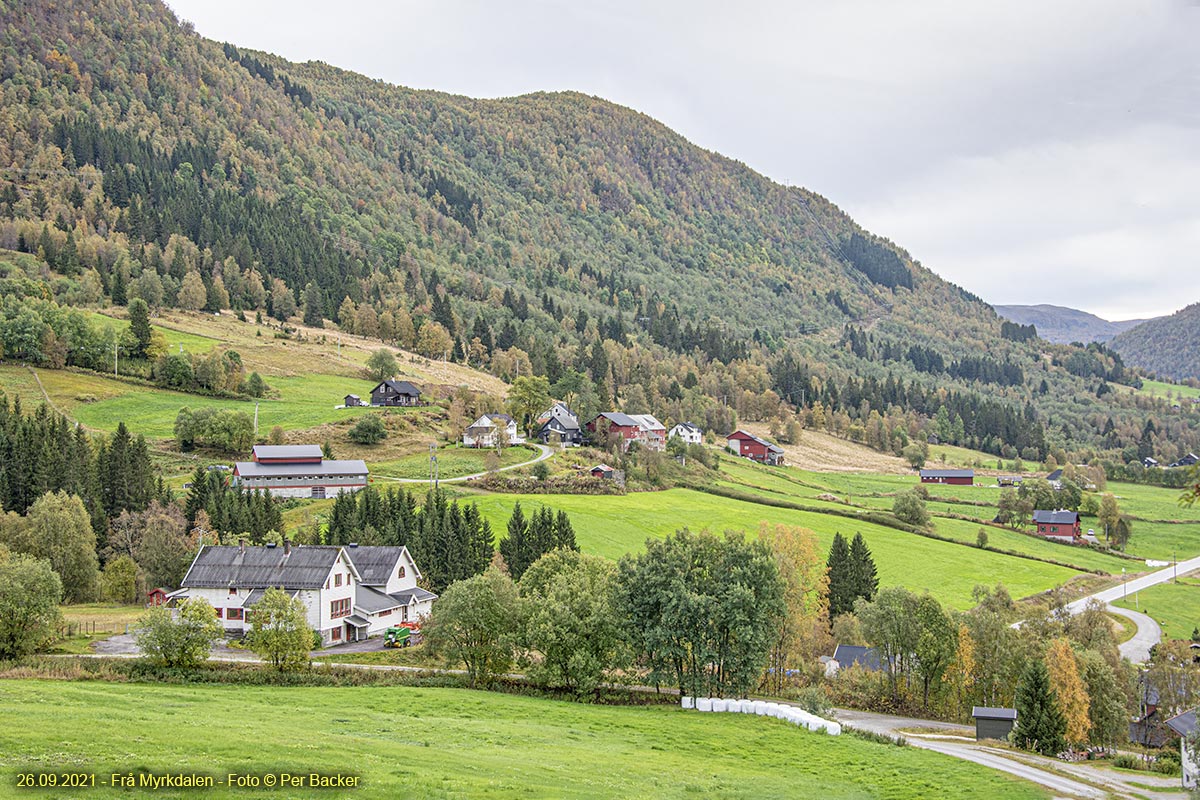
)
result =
(1071, 780)
(1148, 633)
(545, 453)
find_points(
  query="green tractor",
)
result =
(397, 637)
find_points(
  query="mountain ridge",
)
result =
(1063, 325)
(1170, 346)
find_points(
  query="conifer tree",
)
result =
(514, 547)
(1040, 722)
(564, 532)
(841, 578)
(864, 577)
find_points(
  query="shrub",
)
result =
(182, 642)
(814, 700)
(369, 430)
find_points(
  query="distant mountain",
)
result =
(1063, 325)
(1168, 345)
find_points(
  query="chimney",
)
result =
(242, 546)
(287, 547)
(354, 544)
(270, 545)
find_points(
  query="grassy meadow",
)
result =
(1174, 606)
(453, 743)
(612, 526)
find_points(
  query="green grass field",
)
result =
(612, 526)
(1174, 606)
(453, 462)
(452, 743)
(1161, 389)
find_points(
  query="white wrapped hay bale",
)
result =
(687, 702)
(704, 704)
(760, 707)
(720, 704)
(746, 706)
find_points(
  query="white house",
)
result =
(689, 433)
(488, 429)
(1185, 724)
(653, 432)
(350, 592)
(299, 470)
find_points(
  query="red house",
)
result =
(614, 423)
(747, 445)
(1057, 524)
(958, 477)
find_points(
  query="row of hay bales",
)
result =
(796, 716)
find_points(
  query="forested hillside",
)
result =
(1170, 346)
(551, 234)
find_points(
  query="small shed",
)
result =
(157, 597)
(352, 401)
(993, 723)
(601, 471)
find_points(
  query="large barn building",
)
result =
(299, 470)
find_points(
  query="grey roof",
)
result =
(399, 387)
(1056, 517)
(986, 712)
(774, 448)
(253, 469)
(372, 600)
(1183, 724)
(689, 426)
(287, 451)
(1055, 476)
(554, 423)
(305, 567)
(414, 595)
(357, 621)
(947, 473)
(617, 418)
(375, 562)
(256, 596)
(855, 655)
(647, 421)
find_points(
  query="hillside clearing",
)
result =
(451, 743)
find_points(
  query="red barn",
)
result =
(614, 423)
(958, 477)
(157, 597)
(1057, 524)
(747, 445)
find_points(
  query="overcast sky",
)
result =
(1032, 152)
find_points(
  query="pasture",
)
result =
(1174, 606)
(455, 743)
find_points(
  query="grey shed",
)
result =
(993, 723)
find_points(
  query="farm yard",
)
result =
(451, 743)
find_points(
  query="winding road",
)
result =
(1148, 633)
(545, 453)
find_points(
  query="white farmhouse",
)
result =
(299, 470)
(689, 433)
(350, 592)
(491, 429)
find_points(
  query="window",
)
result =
(400, 572)
(220, 611)
(336, 635)
(337, 579)
(233, 592)
(234, 613)
(339, 608)
(404, 613)
(1054, 529)
(386, 613)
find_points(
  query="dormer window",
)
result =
(232, 591)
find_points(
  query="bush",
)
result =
(541, 471)
(183, 642)
(369, 430)
(910, 507)
(814, 700)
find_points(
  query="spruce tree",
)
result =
(865, 579)
(514, 547)
(1040, 723)
(564, 532)
(841, 578)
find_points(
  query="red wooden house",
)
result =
(614, 423)
(157, 597)
(747, 445)
(1057, 524)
